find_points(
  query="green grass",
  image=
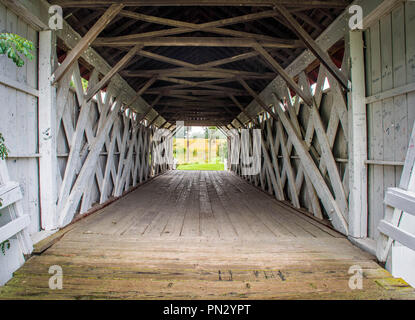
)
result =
(202, 166)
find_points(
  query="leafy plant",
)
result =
(3, 154)
(3, 149)
(4, 245)
(14, 46)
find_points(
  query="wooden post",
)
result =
(48, 163)
(358, 140)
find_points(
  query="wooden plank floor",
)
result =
(202, 235)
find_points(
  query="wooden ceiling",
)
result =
(195, 58)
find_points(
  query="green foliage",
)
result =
(84, 84)
(3, 154)
(4, 245)
(3, 149)
(13, 45)
(202, 166)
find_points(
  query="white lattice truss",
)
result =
(103, 150)
(304, 150)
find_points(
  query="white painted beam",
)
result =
(397, 234)
(401, 199)
(9, 194)
(48, 162)
(357, 140)
(14, 227)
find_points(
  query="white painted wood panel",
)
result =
(390, 53)
(19, 121)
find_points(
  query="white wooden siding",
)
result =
(390, 58)
(19, 117)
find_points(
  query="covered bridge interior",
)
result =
(318, 118)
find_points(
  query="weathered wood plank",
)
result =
(301, 263)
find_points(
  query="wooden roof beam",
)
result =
(198, 42)
(280, 70)
(204, 73)
(190, 84)
(180, 63)
(258, 99)
(198, 112)
(250, 3)
(185, 27)
(154, 120)
(232, 59)
(185, 83)
(212, 93)
(236, 117)
(197, 103)
(175, 31)
(112, 73)
(140, 92)
(313, 47)
(176, 98)
(146, 112)
(84, 43)
(200, 118)
(236, 102)
(165, 59)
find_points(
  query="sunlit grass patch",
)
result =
(202, 166)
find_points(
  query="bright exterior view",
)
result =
(200, 148)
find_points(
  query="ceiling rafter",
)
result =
(197, 57)
(251, 3)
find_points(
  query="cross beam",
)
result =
(280, 70)
(313, 46)
(82, 45)
(237, 3)
(198, 42)
(112, 73)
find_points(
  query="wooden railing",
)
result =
(10, 195)
(399, 201)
